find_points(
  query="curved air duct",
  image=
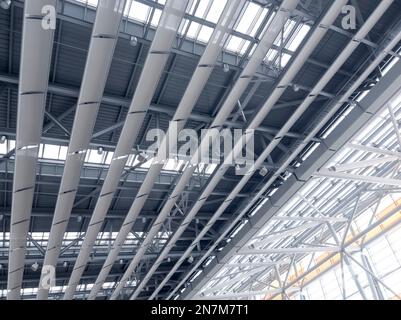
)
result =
(336, 106)
(194, 89)
(157, 58)
(100, 55)
(240, 86)
(341, 59)
(36, 53)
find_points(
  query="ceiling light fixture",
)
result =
(263, 171)
(35, 266)
(5, 4)
(133, 41)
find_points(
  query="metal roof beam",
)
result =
(113, 214)
(169, 110)
(151, 73)
(101, 50)
(192, 93)
(386, 88)
(229, 104)
(307, 49)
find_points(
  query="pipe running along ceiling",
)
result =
(295, 66)
(36, 54)
(194, 89)
(230, 102)
(244, 79)
(283, 84)
(152, 71)
(100, 55)
(383, 52)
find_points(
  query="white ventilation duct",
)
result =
(157, 58)
(297, 64)
(36, 53)
(337, 105)
(198, 81)
(240, 86)
(103, 41)
(341, 59)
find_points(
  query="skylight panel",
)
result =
(92, 3)
(210, 168)
(11, 144)
(202, 8)
(204, 34)
(63, 153)
(135, 161)
(3, 147)
(191, 7)
(108, 285)
(237, 45)
(156, 17)
(170, 165)
(298, 37)
(274, 56)
(285, 33)
(183, 27)
(127, 8)
(147, 164)
(109, 157)
(94, 157)
(216, 10)
(259, 21)
(252, 12)
(193, 30)
(51, 152)
(139, 11)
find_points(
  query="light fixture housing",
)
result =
(35, 266)
(5, 4)
(133, 41)
(263, 171)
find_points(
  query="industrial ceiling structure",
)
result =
(316, 216)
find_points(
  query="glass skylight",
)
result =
(103, 239)
(248, 23)
(290, 39)
(92, 3)
(384, 255)
(320, 198)
(94, 157)
(252, 18)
